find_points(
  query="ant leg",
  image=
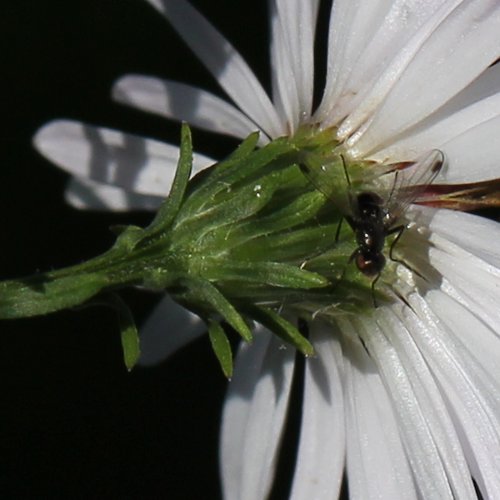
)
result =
(400, 230)
(375, 305)
(353, 255)
(337, 233)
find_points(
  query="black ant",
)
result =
(373, 219)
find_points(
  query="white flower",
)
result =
(406, 400)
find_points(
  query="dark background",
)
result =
(74, 423)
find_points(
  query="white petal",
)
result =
(353, 24)
(476, 104)
(136, 164)
(285, 95)
(183, 102)
(321, 454)
(167, 329)
(417, 360)
(480, 357)
(425, 430)
(366, 40)
(87, 195)
(445, 57)
(224, 62)
(293, 24)
(377, 466)
(473, 396)
(253, 417)
(473, 156)
(472, 287)
(484, 351)
(477, 235)
(472, 279)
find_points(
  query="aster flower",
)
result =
(403, 398)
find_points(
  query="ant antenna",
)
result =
(393, 185)
(349, 185)
(345, 170)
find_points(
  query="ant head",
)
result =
(370, 263)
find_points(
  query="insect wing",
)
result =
(410, 181)
(331, 180)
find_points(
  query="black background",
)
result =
(74, 423)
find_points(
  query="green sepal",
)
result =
(170, 207)
(302, 207)
(221, 347)
(266, 273)
(202, 293)
(128, 236)
(242, 151)
(215, 223)
(238, 207)
(289, 245)
(129, 335)
(128, 331)
(250, 163)
(281, 327)
(222, 178)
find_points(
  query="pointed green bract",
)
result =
(221, 347)
(222, 180)
(273, 274)
(241, 152)
(170, 207)
(206, 297)
(128, 332)
(282, 328)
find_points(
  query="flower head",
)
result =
(403, 398)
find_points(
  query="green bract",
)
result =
(245, 240)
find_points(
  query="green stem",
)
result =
(46, 293)
(71, 286)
